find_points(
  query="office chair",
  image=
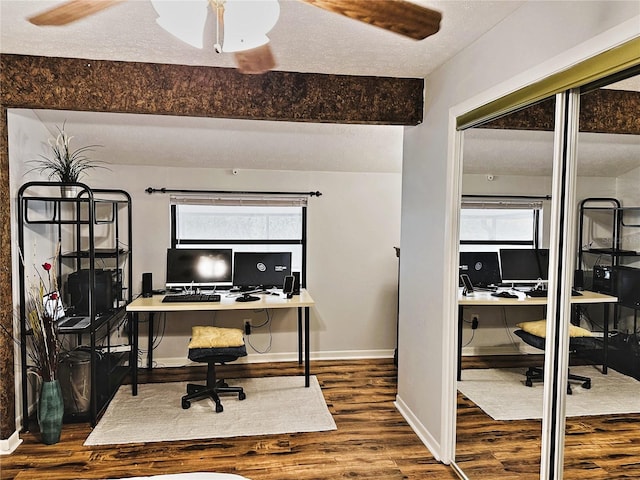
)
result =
(214, 345)
(532, 333)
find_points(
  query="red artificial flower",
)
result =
(46, 266)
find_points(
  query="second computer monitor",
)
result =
(260, 269)
(524, 265)
(482, 268)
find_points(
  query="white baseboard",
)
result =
(278, 357)
(9, 445)
(432, 445)
(499, 350)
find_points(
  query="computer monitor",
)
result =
(253, 270)
(482, 268)
(627, 286)
(199, 267)
(524, 265)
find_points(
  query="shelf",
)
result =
(98, 322)
(98, 253)
(611, 251)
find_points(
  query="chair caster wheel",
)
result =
(528, 382)
(186, 404)
(242, 396)
(587, 384)
(218, 407)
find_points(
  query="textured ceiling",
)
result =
(305, 39)
(521, 152)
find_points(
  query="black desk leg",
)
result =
(133, 355)
(300, 336)
(150, 351)
(459, 376)
(306, 347)
(605, 340)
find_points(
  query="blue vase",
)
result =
(50, 412)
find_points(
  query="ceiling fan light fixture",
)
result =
(184, 20)
(247, 22)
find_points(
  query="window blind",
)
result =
(241, 199)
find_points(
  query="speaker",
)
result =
(296, 283)
(578, 280)
(287, 287)
(147, 285)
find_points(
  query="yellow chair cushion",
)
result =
(215, 337)
(539, 329)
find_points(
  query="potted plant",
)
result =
(43, 307)
(65, 165)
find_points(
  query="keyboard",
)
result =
(192, 297)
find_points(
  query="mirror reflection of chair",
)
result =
(213, 346)
(533, 333)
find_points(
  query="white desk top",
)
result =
(485, 298)
(155, 304)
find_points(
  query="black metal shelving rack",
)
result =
(609, 253)
(108, 367)
(620, 216)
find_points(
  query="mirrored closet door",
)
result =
(512, 169)
(504, 250)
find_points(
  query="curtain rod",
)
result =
(520, 197)
(151, 190)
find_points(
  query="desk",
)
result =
(154, 304)
(486, 299)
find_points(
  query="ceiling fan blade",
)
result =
(256, 60)
(399, 16)
(71, 11)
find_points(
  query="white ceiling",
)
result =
(521, 152)
(305, 39)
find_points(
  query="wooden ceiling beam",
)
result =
(145, 88)
(601, 111)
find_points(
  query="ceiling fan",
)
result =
(399, 16)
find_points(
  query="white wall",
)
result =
(25, 134)
(513, 54)
(351, 267)
(628, 191)
(627, 188)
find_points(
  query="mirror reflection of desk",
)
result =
(481, 298)
(155, 304)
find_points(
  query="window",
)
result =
(491, 225)
(244, 223)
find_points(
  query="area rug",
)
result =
(273, 405)
(501, 393)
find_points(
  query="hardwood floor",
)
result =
(604, 447)
(372, 440)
